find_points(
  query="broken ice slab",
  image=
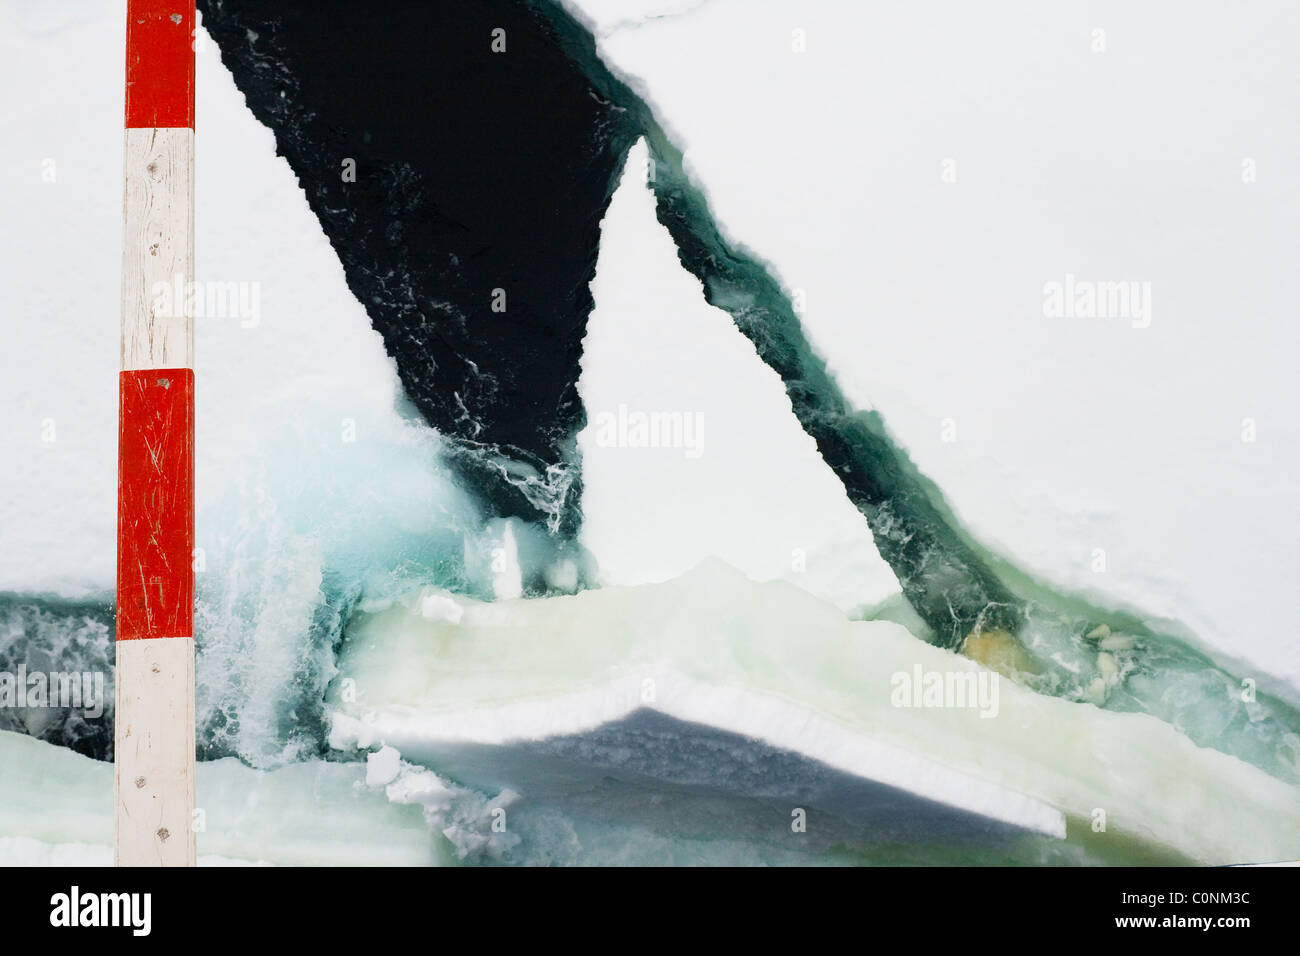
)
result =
(711, 690)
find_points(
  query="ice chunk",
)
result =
(382, 767)
(441, 607)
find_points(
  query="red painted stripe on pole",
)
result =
(155, 504)
(159, 64)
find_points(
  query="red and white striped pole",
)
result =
(154, 793)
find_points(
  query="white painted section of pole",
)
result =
(158, 249)
(155, 752)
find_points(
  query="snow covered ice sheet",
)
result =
(924, 177)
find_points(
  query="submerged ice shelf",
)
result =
(639, 683)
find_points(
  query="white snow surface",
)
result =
(740, 480)
(922, 170)
(58, 809)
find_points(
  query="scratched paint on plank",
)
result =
(155, 504)
(158, 249)
(159, 63)
(154, 778)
